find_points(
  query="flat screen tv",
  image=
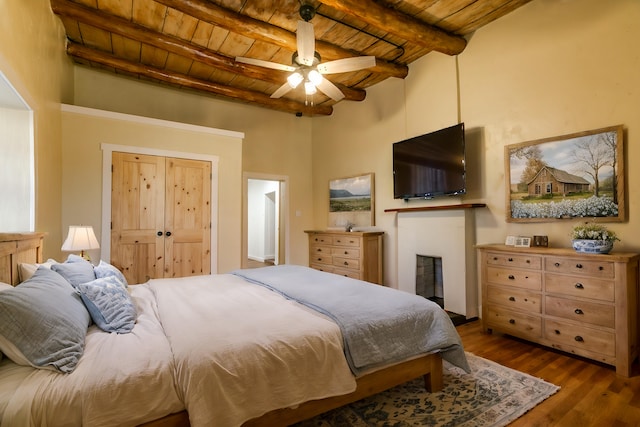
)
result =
(430, 165)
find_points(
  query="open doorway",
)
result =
(265, 224)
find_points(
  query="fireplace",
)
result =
(429, 278)
(449, 237)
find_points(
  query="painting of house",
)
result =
(550, 180)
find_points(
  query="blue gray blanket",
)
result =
(379, 325)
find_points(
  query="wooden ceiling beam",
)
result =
(259, 30)
(176, 45)
(257, 98)
(401, 25)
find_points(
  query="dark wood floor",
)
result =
(591, 394)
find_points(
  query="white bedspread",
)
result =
(249, 350)
(115, 374)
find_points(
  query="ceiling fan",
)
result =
(306, 66)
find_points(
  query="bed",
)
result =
(236, 357)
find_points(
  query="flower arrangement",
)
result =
(592, 231)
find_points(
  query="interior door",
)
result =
(161, 216)
(187, 218)
(137, 215)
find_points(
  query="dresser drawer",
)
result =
(513, 322)
(327, 268)
(320, 250)
(346, 241)
(580, 337)
(346, 263)
(354, 274)
(322, 239)
(512, 277)
(581, 311)
(315, 258)
(586, 287)
(346, 252)
(514, 260)
(514, 299)
(596, 268)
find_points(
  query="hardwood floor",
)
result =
(591, 394)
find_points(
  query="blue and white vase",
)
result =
(593, 246)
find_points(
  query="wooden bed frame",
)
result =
(16, 248)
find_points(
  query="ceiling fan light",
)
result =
(315, 77)
(309, 88)
(295, 79)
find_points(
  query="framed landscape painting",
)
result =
(572, 176)
(351, 202)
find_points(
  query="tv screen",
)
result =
(430, 165)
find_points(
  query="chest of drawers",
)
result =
(584, 304)
(353, 254)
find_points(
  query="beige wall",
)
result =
(82, 166)
(550, 68)
(275, 143)
(32, 58)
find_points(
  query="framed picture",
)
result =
(351, 202)
(572, 176)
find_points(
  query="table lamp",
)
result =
(80, 238)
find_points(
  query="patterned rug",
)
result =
(492, 395)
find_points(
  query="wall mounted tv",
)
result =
(430, 165)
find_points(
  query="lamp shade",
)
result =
(80, 238)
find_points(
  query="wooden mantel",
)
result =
(439, 208)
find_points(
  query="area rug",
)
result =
(492, 395)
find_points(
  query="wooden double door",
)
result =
(161, 216)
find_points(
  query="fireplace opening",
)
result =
(429, 283)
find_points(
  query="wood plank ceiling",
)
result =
(192, 44)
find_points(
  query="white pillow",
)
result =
(26, 270)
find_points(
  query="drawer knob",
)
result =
(495, 258)
(510, 260)
(600, 268)
(512, 299)
(578, 265)
(346, 252)
(318, 250)
(557, 264)
(346, 263)
(578, 311)
(579, 285)
(511, 277)
(579, 338)
(339, 241)
(528, 261)
(512, 321)
(319, 259)
(557, 332)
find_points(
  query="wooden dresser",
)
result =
(584, 304)
(353, 254)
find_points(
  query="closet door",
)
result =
(187, 218)
(161, 216)
(137, 215)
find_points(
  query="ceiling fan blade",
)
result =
(306, 43)
(266, 64)
(347, 64)
(281, 90)
(330, 90)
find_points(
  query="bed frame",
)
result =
(16, 248)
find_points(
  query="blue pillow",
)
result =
(105, 269)
(43, 322)
(76, 270)
(109, 304)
